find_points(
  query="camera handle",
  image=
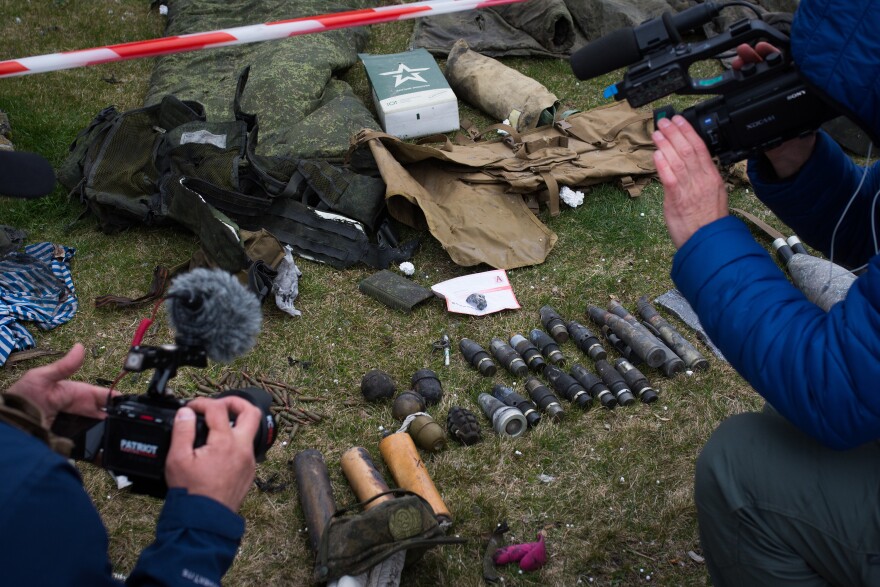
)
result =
(666, 71)
(165, 359)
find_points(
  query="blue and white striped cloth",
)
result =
(35, 286)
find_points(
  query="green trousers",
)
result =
(777, 508)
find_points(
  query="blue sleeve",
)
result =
(820, 370)
(813, 201)
(50, 532)
(196, 541)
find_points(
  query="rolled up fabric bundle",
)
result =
(549, 22)
(597, 18)
(497, 90)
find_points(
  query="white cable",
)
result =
(873, 221)
(846, 209)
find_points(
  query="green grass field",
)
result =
(612, 489)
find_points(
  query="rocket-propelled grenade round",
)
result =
(547, 346)
(568, 387)
(672, 364)
(508, 357)
(545, 399)
(615, 382)
(594, 385)
(636, 381)
(620, 346)
(684, 349)
(512, 398)
(553, 323)
(506, 420)
(586, 340)
(478, 357)
(529, 352)
(645, 347)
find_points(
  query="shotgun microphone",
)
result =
(627, 45)
(211, 309)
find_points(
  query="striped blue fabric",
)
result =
(35, 286)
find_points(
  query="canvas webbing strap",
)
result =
(156, 291)
(615, 130)
(552, 189)
(437, 138)
(530, 147)
(769, 230)
(634, 186)
(470, 134)
(513, 137)
(321, 236)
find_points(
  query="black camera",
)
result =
(135, 437)
(215, 317)
(755, 108)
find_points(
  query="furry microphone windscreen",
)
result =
(210, 308)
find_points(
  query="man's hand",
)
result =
(48, 388)
(224, 467)
(788, 158)
(745, 53)
(694, 193)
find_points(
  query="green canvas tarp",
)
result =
(557, 28)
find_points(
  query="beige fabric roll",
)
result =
(500, 91)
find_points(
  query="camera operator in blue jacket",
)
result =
(791, 496)
(50, 532)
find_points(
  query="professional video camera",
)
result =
(756, 107)
(213, 316)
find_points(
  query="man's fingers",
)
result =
(674, 148)
(248, 421)
(218, 413)
(247, 415)
(85, 399)
(66, 366)
(183, 433)
(690, 152)
(101, 395)
(667, 177)
(763, 49)
(679, 150)
(690, 134)
(747, 54)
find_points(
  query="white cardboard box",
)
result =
(412, 97)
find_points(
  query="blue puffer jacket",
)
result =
(820, 370)
(50, 532)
